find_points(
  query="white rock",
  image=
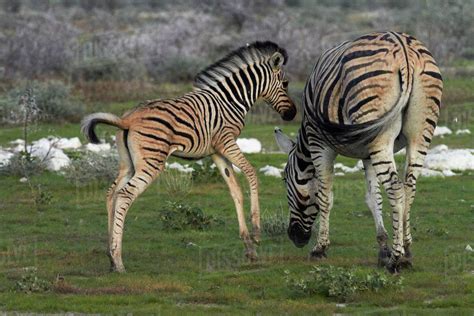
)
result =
(425, 172)
(347, 169)
(271, 171)
(463, 131)
(339, 174)
(442, 130)
(17, 142)
(23, 180)
(442, 158)
(249, 145)
(68, 143)
(468, 248)
(98, 147)
(5, 157)
(179, 167)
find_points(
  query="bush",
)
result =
(23, 164)
(177, 184)
(179, 216)
(339, 282)
(275, 224)
(53, 99)
(205, 171)
(91, 167)
(31, 283)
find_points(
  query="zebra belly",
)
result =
(192, 156)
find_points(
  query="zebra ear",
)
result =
(284, 142)
(277, 61)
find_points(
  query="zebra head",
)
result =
(276, 92)
(301, 186)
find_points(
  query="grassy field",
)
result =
(196, 272)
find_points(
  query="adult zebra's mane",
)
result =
(233, 62)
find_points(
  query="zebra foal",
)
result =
(204, 122)
(365, 99)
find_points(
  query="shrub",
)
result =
(205, 171)
(53, 100)
(92, 167)
(339, 282)
(23, 164)
(177, 184)
(275, 224)
(179, 216)
(31, 283)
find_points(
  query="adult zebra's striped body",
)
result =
(364, 99)
(204, 122)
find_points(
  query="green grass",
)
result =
(165, 275)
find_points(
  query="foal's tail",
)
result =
(90, 121)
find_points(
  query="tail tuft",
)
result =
(89, 122)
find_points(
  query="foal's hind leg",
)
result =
(148, 163)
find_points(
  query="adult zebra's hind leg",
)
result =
(419, 124)
(373, 198)
(226, 170)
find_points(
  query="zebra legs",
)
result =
(226, 170)
(324, 166)
(232, 152)
(146, 169)
(373, 198)
(386, 172)
(125, 173)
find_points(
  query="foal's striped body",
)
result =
(204, 122)
(365, 99)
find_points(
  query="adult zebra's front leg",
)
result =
(324, 166)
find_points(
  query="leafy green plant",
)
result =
(31, 283)
(176, 183)
(205, 171)
(339, 282)
(179, 216)
(275, 224)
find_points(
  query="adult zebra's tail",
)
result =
(90, 121)
(363, 133)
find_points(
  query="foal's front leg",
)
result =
(324, 166)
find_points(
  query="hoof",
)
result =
(118, 269)
(393, 265)
(406, 262)
(251, 255)
(256, 238)
(384, 256)
(318, 254)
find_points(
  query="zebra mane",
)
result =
(245, 55)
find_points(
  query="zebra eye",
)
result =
(285, 84)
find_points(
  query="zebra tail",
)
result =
(364, 133)
(90, 121)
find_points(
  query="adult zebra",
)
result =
(364, 99)
(204, 122)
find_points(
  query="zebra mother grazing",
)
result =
(365, 99)
(204, 122)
